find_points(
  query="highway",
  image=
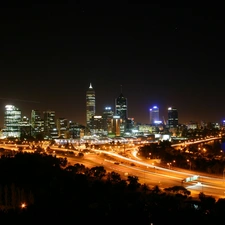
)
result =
(154, 175)
(147, 173)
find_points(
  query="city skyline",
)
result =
(154, 112)
(164, 55)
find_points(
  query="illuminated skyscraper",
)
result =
(107, 119)
(12, 120)
(154, 114)
(90, 105)
(172, 117)
(50, 128)
(121, 111)
(121, 107)
(37, 123)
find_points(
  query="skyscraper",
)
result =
(172, 117)
(90, 105)
(107, 119)
(154, 114)
(50, 128)
(121, 111)
(37, 123)
(12, 120)
(121, 107)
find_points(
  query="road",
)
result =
(153, 175)
(148, 173)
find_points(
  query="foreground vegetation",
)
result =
(41, 189)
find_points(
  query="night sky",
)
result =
(164, 55)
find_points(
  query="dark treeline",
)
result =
(56, 193)
(212, 160)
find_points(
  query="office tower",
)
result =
(121, 111)
(50, 129)
(62, 127)
(97, 125)
(12, 120)
(107, 119)
(172, 117)
(121, 107)
(37, 122)
(25, 128)
(154, 114)
(90, 105)
(116, 125)
(75, 130)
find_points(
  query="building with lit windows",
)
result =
(121, 111)
(12, 120)
(107, 119)
(25, 127)
(90, 105)
(97, 125)
(62, 127)
(37, 123)
(116, 125)
(75, 130)
(172, 117)
(50, 129)
(154, 114)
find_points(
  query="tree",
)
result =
(156, 190)
(113, 177)
(178, 190)
(79, 168)
(207, 202)
(98, 172)
(133, 182)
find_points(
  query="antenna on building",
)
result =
(90, 86)
(121, 88)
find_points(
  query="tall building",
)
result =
(107, 119)
(75, 130)
(50, 128)
(90, 105)
(121, 111)
(12, 120)
(154, 114)
(37, 122)
(25, 127)
(62, 127)
(121, 107)
(116, 125)
(97, 125)
(172, 117)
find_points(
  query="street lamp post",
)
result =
(169, 164)
(188, 161)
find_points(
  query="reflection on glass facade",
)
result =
(12, 119)
(90, 105)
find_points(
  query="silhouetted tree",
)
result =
(98, 172)
(133, 183)
(113, 177)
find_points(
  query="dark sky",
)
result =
(164, 55)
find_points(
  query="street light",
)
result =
(188, 161)
(169, 164)
(23, 205)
